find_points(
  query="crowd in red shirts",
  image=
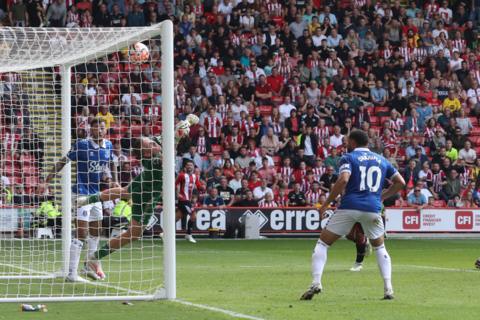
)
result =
(278, 85)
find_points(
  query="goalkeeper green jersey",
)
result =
(146, 190)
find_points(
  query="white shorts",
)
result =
(90, 212)
(342, 222)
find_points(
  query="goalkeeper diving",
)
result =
(145, 191)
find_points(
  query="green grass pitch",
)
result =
(433, 279)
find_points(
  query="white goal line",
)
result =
(220, 310)
(130, 291)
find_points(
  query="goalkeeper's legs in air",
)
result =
(362, 244)
(184, 210)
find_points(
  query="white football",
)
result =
(182, 129)
(139, 53)
(192, 119)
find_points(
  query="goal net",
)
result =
(53, 83)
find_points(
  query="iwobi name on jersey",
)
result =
(92, 161)
(368, 173)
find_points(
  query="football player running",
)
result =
(362, 175)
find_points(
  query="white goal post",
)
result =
(23, 50)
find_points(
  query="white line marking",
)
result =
(414, 266)
(224, 311)
(106, 285)
(97, 284)
(30, 271)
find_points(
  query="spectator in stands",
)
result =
(378, 94)
(452, 187)
(328, 179)
(419, 157)
(248, 200)
(57, 14)
(267, 202)
(458, 139)
(261, 191)
(213, 200)
(468, 154)
(336, 139)
(105, 114)
(411, 174)
(225, 192)
(296, 198)
(451, 152)
(236, 182)
(417, 199)
(270, 142)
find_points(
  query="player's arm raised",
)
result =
(57, 167)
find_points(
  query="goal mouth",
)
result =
(56, 81)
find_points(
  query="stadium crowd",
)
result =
(278, 85)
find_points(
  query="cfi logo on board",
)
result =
(411, 220)
(464, 220)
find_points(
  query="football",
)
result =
(182, 129)
(139, 53)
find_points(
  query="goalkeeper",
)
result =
(145, 190)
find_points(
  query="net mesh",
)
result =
(105, 84)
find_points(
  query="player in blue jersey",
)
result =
(94, 161)
(362, 176)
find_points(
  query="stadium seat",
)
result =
(475, 131)
(384, 119)
(374, 121)
(265, 110)
(217, 149)
(382, 111)
(439, 204)
(475, 141)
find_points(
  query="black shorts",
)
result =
(185, 207)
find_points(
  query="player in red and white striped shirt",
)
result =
(313, 195)
(187, 181)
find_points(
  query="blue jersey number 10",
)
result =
(366, 178)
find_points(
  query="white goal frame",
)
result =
(165, 30)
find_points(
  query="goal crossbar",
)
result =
(72, 45)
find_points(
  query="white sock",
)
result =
(385, 265)
(319, 259)
(75, 252)
(92, 245)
